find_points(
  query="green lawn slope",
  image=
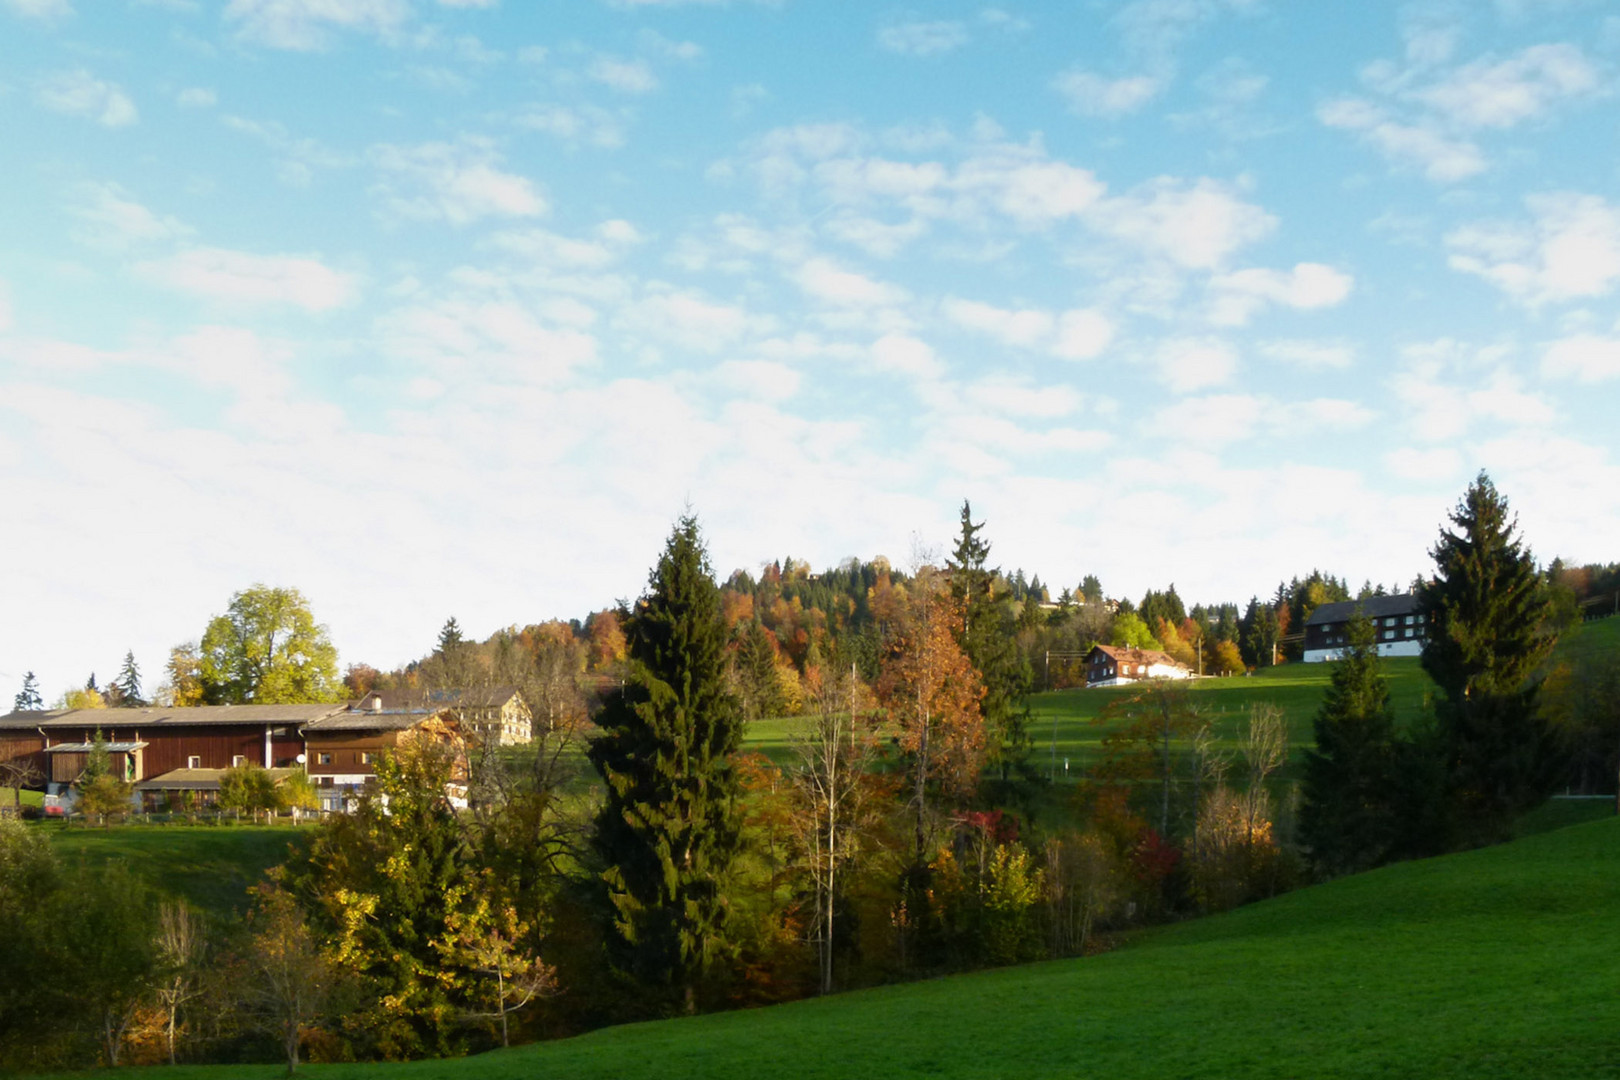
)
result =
(1503, 962)
(211, 866)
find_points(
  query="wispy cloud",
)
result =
(457, 182)
(923, 38)
(80, 93)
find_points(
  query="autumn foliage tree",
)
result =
(933, 695)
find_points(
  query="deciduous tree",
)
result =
(932, 695)
(267, 649)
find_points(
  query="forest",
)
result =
(637, 861)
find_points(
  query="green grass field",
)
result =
(210, 866)
(1498, 963)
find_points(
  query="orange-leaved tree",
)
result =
(932, 695)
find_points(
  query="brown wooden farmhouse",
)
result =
(166, 752)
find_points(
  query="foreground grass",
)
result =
(210, 866)
(1499, 963)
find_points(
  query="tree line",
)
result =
(636, 862)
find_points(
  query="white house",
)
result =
(1114, 665)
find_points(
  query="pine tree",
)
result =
(1347, 821)
(987, 639)
(449, 637)
(670, 827)
(1486, 639)
(28, 698)
(125, 691)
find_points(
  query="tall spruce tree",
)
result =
(1486, 639)
(670, 827)
(1347, 821)
(987, 639)
(125, 691)
(28, 698)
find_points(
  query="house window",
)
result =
(194, 761)
(323, 759)
(365, 757)
(237, 761)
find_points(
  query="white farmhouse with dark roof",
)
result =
(1399, 629)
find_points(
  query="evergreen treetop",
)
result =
(1347, 820)
(29, 697)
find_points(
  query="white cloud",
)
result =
(1196, 225)
(923, 38)
(109, 218)
(764, 379)
(1501, 94)
(688, 320)
(1186, 365)
(1016, 397)
(1215, 420)
(1586, 358)
(1310, 355)
(1090, 94)
(1082, 334)
(1025, 328)
(625, 76)
(1239, 296)
(1441, 158)
(40, 9)
(1447, 389)
(470, 340)
(1570, 251)
(902, 354)
(828, 282)
(457, 182)
(239, 277)
(80, 93)
(587, 124)
(196, 97)
(306, 25)
(1424, 466)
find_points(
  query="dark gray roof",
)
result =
(29, 718)
(1374, 607)
(357, 719)
(155, 716)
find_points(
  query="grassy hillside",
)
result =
(212, 867)
(1496, 963)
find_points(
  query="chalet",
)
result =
(342, 747)
(496, 713)
(1114, 665)
(1398, 625)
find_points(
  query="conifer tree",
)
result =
(1347, 820)
(670, 827)
(28, 698)
(987, 639)
(449, 637)
(125, 690)
(1486, 639)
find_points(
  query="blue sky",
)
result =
(434, 307)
